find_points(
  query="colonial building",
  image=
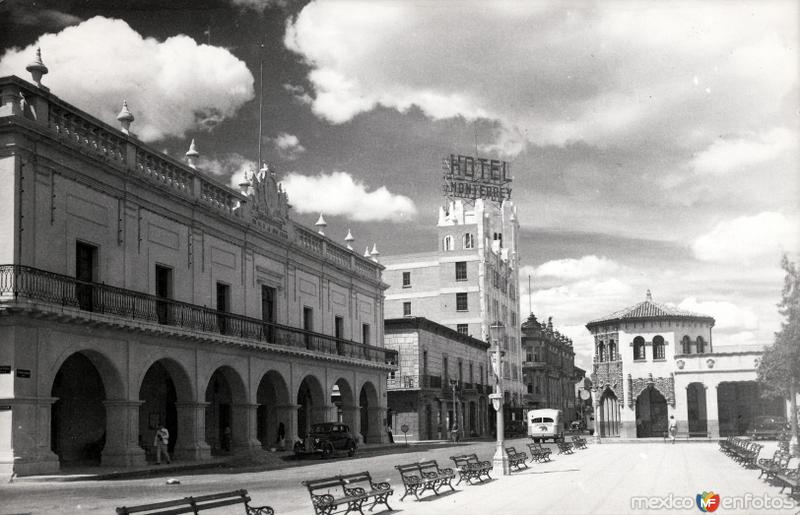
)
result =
(653, 361)
(441, 379)
(548, 370)
(136, 291)
(468, 283)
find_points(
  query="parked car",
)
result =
(325, 439)
(767, 427)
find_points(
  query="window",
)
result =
(164, 291)
(686, 343)
(601, 352)
(365, 334)
(513, 318)
(461, 302)
(530, 387)
(406, 309)
(658, 347)
(461, 270)
(268, 311)
(701, 345)
(480, 372)
(308, 324)
(471, 377)
(425, 363)
(223, 305)
(612, 350)
(85, 271)
(469, 241)
(460, 372)
(445, 372)
(447, 243)
(338, 327)
(462, 328)
(638, 348)
(406, 279)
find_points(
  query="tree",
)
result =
(779, 370)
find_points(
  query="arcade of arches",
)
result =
(207, 411)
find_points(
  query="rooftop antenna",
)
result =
(260, 100)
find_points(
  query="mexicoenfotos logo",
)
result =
(707, 501)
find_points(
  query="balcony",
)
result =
(403, 383)
(534, 365)
(29, 288)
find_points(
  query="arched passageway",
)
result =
(226, 426)
(273, 417)
(371, 414)
(78, 417)
(159, 398)
(342, 400)
(609, 414)
(651, 414)
(696, 408)
(311, 405)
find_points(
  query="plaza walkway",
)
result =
(600, 480)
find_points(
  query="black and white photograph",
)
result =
(284, 257)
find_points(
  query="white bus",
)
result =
(545, 423)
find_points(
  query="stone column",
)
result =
(287, 413)
(712, 410)
(352, 417)
(596, 405)
(244, 433)
(190, 442)
(681, 410)
(27, 450)
(122, 434)
(376, 430)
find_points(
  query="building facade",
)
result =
(653, 361)
(136, 291)
(441, 380)
(470, 282)
(548, 370)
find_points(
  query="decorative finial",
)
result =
(37, 68)
(366, 251)
(374, 254)
(649, 296)
(349, 239)
(192, 154)
(125, 117)
(321, 223)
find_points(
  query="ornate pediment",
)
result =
(269, 204)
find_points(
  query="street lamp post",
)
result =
(454, 384)
(500, 460)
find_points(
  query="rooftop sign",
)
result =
(476, 177)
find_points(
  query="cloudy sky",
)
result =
(654, 144)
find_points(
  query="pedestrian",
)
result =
(226, 439)
(389, 432)
(161, 442)
(673, 428)
(454, 432)
(281, 441)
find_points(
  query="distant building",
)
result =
(653, 361)
(436, 364)
(549, 371)
(137, 291)
(469, 282)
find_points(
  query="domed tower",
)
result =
(635, 353)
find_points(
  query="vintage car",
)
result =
(325, 439)
(767, 427)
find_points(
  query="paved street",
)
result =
(601, 479)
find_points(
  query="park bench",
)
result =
(197, 504)
(789, 477)
(564, 447)
(539, 453)
(469, 466)
(347, 492)
(579, 442)
(424, 475)
(771, 466)
(747, 454)
(516, 459)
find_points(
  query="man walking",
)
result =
(673, 428)
(161, 442)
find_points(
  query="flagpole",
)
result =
(260, 102)
(530, 295)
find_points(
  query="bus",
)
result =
(544, 424)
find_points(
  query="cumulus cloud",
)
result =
(171, 86)
(338, 193)
(287, 145)
(555, 73)
(726, 155)
(260, 5)
(571, 269)
(746, 238)
(22, 14)
(228, 168)
(727, 316)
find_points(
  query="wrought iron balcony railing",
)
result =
(23, 283)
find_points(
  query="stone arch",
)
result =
(226, 414)
(312, 406)
(639, 352)
(343, 400)
(608, 416)
(371, 413)
(651, 413)
(79, 423)
(163, 386)
(273, 415)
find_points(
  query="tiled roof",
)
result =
(649, 309)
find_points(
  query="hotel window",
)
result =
(461, 270)
(406, 309)
(461, 302)
(469, 241)
(462, 328)
(406, 279)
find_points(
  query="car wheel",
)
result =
(351, 449)
(327, 450)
